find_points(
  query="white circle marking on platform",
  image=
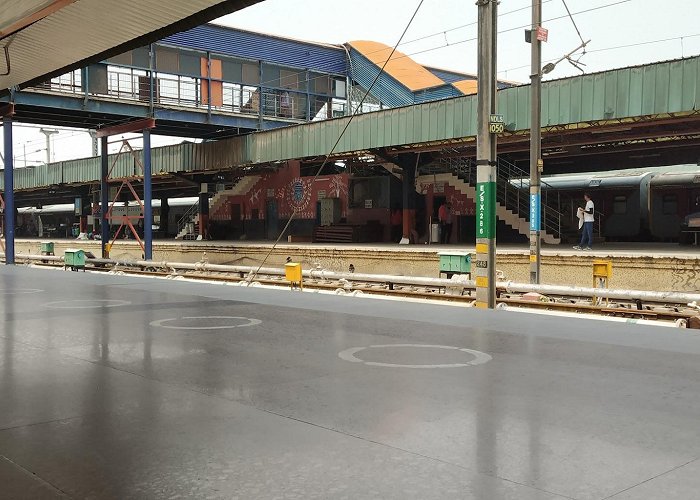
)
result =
(18, 291)
(86, 304)
(161, 323)
(479, 357)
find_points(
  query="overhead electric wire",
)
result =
(617, 47)
(573, 22)
(459, 42)
(448, 44)
(365, 54)
(340, 136)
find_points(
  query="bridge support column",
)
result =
(104, 197)
(147, 197)
(9, 194)
(164, 216)
(409, 198)
(203, 213)
(409, 203)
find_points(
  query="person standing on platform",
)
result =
(587, 213)
(445, 219)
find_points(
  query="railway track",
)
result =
(618, 308)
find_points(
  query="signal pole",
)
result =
(536, 36)
(489, 124)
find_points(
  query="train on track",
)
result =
(650, 204)
(60, 221)
(644, 204)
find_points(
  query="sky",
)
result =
(443, 34)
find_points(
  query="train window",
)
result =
(669, 204)
(620, 205)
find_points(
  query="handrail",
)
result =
(187, 217)
(174, 89)
(509, 195)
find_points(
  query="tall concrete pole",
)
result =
(535, 143)
(486, 157)
(48, 133)
(93, 136)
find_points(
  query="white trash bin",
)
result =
(434, 233)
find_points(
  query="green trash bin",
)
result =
(47, 248)
(74, 258)
(455, 262)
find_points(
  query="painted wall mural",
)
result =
(289, 190)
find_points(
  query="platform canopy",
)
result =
(43, 38)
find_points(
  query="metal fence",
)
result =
(183, 91)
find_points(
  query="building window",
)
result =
(620, 205)
(251, 74)
(669, 204)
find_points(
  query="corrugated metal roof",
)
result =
(466, 87)
(654, 89)
(259, 46)
(401, 67)
(16, 14)
(89, 27)
(436, 93)
(449, 76)
(387, 89)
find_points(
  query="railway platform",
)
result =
(637, 266)
(131, 387)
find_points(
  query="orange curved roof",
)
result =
(404, 69)
(466, 87)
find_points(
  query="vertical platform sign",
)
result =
(535, 215)
(486, 210)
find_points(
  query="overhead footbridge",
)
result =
(638, 116)
(595, 117)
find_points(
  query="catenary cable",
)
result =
(340, 136)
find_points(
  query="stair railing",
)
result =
(187, 217)
(512, 185)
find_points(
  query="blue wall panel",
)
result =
(256, 46)
(387, 89)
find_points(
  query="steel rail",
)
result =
(457, 281)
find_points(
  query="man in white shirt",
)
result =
(588, 219)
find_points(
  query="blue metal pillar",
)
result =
(147, 197)
(9, 192)
(209, 96)
(308, 96)
(104, 197)
(261, 103)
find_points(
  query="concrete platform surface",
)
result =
(122, 387)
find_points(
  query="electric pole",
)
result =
(489, 124)
(48, 133)
(536, 37)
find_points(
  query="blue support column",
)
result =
(260, 99)
(147, 197)
(9, 192)
(104, 197)
(308, 96)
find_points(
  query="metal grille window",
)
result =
(167, 60)
(289, 79)
(669, 204)
(251, 74)
(620, 205)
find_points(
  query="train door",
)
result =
(694, 201)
